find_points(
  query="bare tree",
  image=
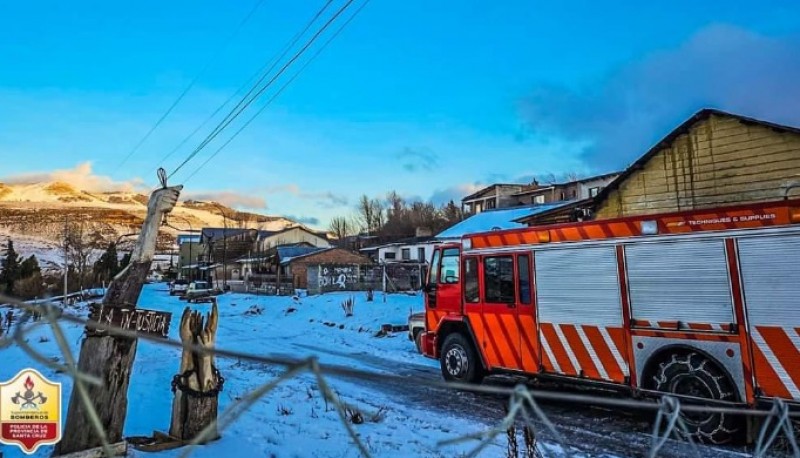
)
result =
(82, 251)
(341, 227)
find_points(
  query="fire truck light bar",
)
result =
(649, 227)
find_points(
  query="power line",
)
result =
(191, 84)
(265, 69)
(232, 116)
(278, 93)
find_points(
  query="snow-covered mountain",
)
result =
(37, 213)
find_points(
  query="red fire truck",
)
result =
(700, 304)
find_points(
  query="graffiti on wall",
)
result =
(338, 277)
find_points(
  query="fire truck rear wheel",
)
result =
(459, 360)
(693, 374)
(418, 340)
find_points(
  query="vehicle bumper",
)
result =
(428, 344)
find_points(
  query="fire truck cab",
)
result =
(702, 305)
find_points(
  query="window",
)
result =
(471, 293)
(498, 279)
(389, 255)
(405, 254)
(490, 204)
(450, 266)
(421, 254)
(434, 275)
(594, 191)
(524, 280)
(538, 199)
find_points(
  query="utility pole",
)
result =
(224, 246)
(66, 259)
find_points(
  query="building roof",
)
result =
(701, 115)
(316, 250)
(503, 218)
(489, 188)
(293, 251)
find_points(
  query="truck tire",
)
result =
(693, 374)
(459, 360)
(418, 340)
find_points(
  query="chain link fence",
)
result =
(777, 433)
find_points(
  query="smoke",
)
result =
(721, 66)
(82, 177)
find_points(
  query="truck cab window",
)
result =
(450, 266)
(524, 281)
(471, 292)
(434, 275)
(498, 279)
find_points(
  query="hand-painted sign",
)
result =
(30, 411)
(140, 320)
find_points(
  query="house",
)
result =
(498, 195)
(713, 158)
(498, 219)
(297, 267)
(189, 251)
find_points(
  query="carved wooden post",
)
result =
(198, 383)
(111, 358)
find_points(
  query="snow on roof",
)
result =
(502, 218)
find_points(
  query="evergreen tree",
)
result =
(107, 266)
(29, 267)
(123, 263)
(11, 269)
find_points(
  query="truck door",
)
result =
(444, 286)
(499, 330)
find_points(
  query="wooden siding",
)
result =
(718, 161)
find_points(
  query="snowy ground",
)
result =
(402, 419)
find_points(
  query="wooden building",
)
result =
(712, 159)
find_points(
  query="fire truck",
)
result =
(701, 304)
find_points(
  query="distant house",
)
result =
(410, 249)
(297, 266)
(498, 195)
(575, 190)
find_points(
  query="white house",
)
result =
(412, 249)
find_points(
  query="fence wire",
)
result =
(523, 406)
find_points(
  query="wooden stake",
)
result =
(198, 383)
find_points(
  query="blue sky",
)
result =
(430, 98)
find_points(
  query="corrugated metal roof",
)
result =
(503, 218)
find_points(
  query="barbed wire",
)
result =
(523, 406)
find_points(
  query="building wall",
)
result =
(299, 269)
(413, 251)
(719, 161)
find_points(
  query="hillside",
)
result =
(37, 212)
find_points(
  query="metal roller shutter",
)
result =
(683, 281)
(578, 286)
(771, 278)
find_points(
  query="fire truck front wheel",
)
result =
(692, 374)
(459, 360)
